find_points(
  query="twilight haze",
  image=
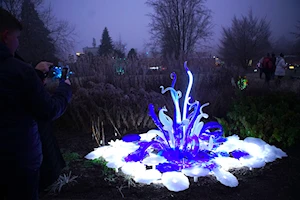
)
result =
(128, 20)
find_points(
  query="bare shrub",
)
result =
(121, 102)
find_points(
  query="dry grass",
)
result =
(121, 102)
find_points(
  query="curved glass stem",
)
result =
(186, 100)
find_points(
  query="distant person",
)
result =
(24, 100)
(260, 66)
(273, 59)
(280, 69)
(267, 68)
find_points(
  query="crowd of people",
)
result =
(30, 157)
(272, 67)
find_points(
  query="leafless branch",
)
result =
(179, 25)
(247, 38)
(62, 32)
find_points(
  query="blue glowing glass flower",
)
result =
(183, 139)
(184, 146)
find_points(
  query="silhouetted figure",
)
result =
(260, 66)
(24, 100)
(267, 68)
(273, 59)
(280, 69)
(53, 161)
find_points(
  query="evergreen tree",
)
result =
(35, 42)
(106, 47)
(132, 54)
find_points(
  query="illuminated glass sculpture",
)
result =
(120, 66)
(184, 147)
(242, 83)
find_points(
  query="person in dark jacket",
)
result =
(267, 68)
(273, 59)
(53, 161)
(23, 101)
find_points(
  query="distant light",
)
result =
(78, 54)
(155, 67)
(291, 67)
(255, 70)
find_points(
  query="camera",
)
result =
(60, 72)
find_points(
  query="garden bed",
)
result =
(277, 180)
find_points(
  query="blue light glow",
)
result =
(181, 140)
(184, 146)
(57, 72)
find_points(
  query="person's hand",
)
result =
(68, 82)
(43, 66)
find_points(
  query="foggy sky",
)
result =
(128, 20)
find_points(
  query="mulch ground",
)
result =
(277, 180)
